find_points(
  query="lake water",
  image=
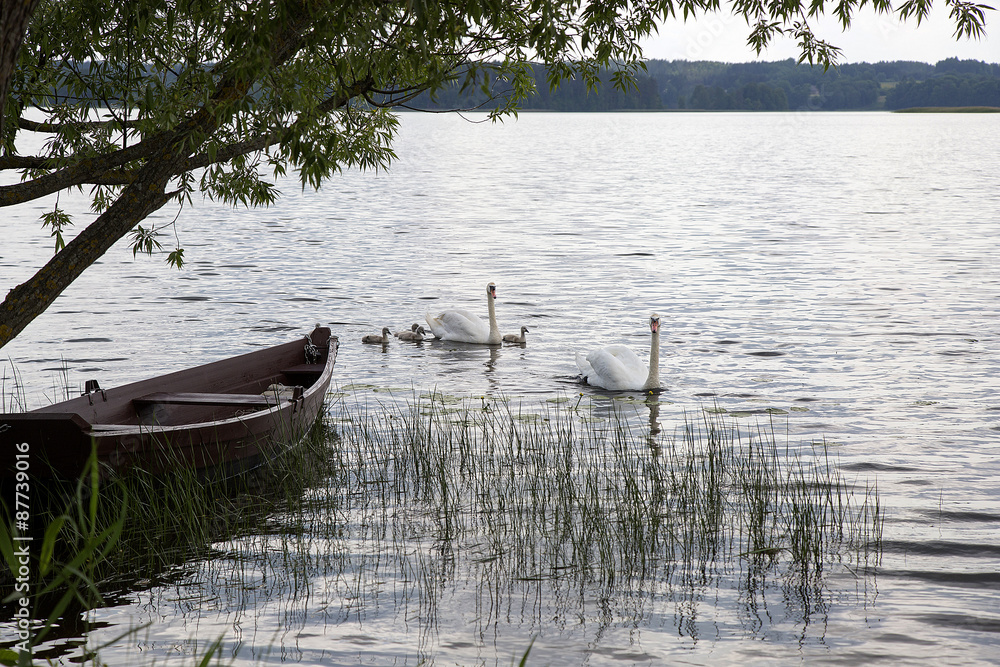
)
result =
(837, 274)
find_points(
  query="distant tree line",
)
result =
(571, 95)
(764, 86)
(950, 90)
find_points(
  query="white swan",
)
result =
(617, 367)
(463, 326)
(372, 338)
(514, 338)
(416, 335)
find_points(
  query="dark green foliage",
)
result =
(757, 86)
(748, 97)
(949, 90)
(718, 86)
(571, 95)
(151, 101)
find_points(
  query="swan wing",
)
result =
(459, 325)
(586, 370)
(616, 367)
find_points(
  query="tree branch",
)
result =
(52, 128)
(85, 171)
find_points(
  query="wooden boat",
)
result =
(223, 416)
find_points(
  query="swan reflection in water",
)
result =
(653, 403)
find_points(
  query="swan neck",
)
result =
(653, 380)
(494, 329)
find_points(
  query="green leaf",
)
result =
(144, 240)
(176, 258)
(57, 220)
(48, 544)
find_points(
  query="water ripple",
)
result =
(943, 549)
(961, 621)
(984, 580)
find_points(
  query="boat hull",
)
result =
(224, 416)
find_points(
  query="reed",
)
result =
(581, 502)
(12, 396)
(64, 563)
(97, 539)
(583, 510)
(175, 518)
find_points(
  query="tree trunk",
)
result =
(14, 17)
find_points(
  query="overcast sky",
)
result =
(871, 38)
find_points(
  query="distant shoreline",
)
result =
(949, 110)
(725, 111)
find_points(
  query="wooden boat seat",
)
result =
(207, 399)
(108, 427)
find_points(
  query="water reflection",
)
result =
(653, 403)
